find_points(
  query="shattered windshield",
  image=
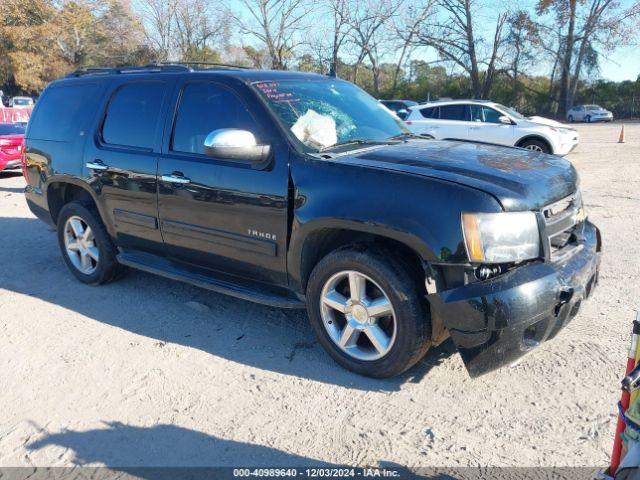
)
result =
(329, 113)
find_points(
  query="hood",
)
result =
(547, 121)
(517, 178)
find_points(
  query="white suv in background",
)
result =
(490, 122)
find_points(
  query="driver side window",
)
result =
(491, 115)
(205, 107)
(480, 113)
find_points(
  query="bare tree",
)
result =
(369, 35)
(341, 28)
(605, 24)
(521, 40)
(454, 38)
(197, 27)
(588, 26)
(277, 24)
(565, 15)
(159, 21)
(407, 29)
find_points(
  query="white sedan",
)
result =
(589, 113)
(490, 122)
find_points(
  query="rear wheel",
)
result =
(587, 119)
(368, 312)
(570, 118)
(85, 244)
(535, 146)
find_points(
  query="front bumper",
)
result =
(494, 322)
(567, 144)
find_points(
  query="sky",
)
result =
(624, 64)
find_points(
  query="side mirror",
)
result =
(505, 120)
(240, 145)
(403, 113)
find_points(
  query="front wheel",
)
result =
(570, 118)
(536, 146)
(587, 119)
(368, 312)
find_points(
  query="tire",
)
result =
(587, 119)
(535, 145)
(407, 327)
(102, 266)
(570, 118)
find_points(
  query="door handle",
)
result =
(97, 165)
(176, 177)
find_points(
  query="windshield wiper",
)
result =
(408, 135)
(356, 141)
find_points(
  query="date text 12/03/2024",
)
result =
(317, 472)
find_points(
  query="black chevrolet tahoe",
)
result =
(301, 191)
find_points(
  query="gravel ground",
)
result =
(151, 372)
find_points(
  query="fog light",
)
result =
(485, 272)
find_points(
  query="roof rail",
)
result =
(208, 64)
(152, 67)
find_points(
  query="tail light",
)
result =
(23, 158)
(408, 122)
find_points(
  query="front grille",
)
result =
(562, 221)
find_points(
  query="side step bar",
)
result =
(254, 292)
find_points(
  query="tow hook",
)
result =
(565, 296)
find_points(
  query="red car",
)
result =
(11, 136)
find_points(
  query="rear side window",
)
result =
(205, 107)
(133, 115)
(61, 111)
(395, 106)
(431, 112)
(454, 112)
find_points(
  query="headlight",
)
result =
(561, 130)
(501, 237)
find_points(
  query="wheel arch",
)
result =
(322, 238)
(539, 138)
(61, 190)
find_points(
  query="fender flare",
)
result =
(302, 233)
(84, 185)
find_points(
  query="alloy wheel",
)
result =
(534, 148)
(80, 245)
(358, 315)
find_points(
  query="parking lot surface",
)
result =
(151, 372)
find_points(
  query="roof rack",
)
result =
(151, 67)
(208, 64)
